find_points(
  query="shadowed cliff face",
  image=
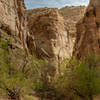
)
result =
(88, 32)
(49, 39)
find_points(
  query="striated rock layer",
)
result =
(13, 29)
(72, 14)
(12, 15)
(49, 38)
(88, 32)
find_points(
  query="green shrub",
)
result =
(13, 81)
(80, 80)
(43, 73)
(76, 80)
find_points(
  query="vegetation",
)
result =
(75, 80)
(80, 80)
(13, 81)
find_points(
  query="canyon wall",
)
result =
(72, 14)
(12, 16)
(49, 38)
(13, 29)
(88, 32)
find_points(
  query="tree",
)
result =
(13, 81)
(80, 79)
(43, 72)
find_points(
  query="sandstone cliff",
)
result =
(13, 29)
(88, 32)
(72, 14)
(12, 15)
(49, 38)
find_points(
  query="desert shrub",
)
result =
(80, 80)
(16, 80)
(76, 80)
(42, 75)
(13, 81)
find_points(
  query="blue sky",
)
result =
(30, 4)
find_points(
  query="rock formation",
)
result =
(88, 32)
(13, 28)
(12, 15)
(49, 38)
(72, 14)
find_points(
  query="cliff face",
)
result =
(12, 15)
(88, 32)
(12, 28)
(48, 39)
(71, 16)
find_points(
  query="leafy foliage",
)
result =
(75, 80)
(43, 73)
(13, 81)
(80, 79)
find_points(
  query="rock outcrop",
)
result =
(13, 28)
(49, 38)
(12, 15)
(72, 14)
(88, 32)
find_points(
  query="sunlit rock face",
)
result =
(48, 37)
(12, 14)
(72, 14)
(13, 29)
(88, 32)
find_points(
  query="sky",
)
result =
(31, 4)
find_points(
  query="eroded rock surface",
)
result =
(13, 28)
(12, 15)
(49, 38)
(72, 14)
(88, 32)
